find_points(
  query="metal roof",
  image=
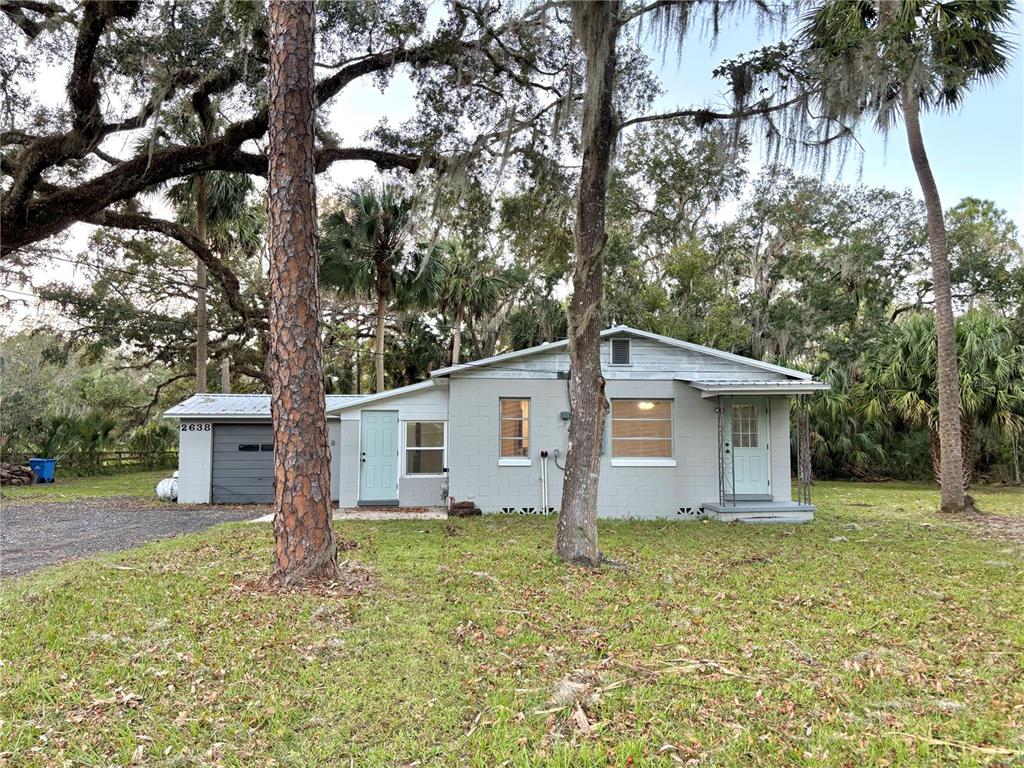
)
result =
(712, 387)
(397, 392)
(625, 329)
(238, 406)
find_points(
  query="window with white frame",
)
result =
(619, 352)
(744, 425)
(514, 414)
(424, 447)
(642, 429)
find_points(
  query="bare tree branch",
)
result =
(218, 269)
(707, 115)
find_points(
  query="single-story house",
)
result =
(691, 431)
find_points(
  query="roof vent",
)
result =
(620, 351)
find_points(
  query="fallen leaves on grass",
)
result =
(963, 746)
(991, 526)
(99, 708)
(353, 579)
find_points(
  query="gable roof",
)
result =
(236, 406)
(625, 329)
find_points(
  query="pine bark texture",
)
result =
(304, 545)
(576, 537)
(202, 321)
(951, 476)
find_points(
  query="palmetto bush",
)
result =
(843, 443)
(897, 384)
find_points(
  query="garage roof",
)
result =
(238, 406)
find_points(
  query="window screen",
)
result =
(424, 447)
(744, 426)
(620, 351)
(642, 429)
(514, 415)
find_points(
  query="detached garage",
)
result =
(243, 464)
(226, 448)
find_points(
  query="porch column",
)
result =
(803, 451)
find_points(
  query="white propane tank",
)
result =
(167, 489)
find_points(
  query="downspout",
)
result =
(721, 452)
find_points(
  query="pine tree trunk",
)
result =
(967, 451)
(457, 336)
(202, 322)
(951, 460)
(576, 537)
(378, 341)
(303, 539)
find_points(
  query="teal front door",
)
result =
(748, 440)
(378, 461)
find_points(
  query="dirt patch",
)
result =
(989, 526)
(353, 580)
(391, 513)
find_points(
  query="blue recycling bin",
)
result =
(43, 469)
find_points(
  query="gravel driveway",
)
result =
(34, 534)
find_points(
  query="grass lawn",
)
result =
(880, 634)
(72, 488)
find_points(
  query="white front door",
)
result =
(747, 438)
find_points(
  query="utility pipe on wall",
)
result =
(544, 482)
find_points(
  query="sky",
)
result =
(978, 151)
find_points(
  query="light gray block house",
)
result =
(691, 431)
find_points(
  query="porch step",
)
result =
(760, 512)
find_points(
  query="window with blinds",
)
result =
(514, 415)
(642, 429)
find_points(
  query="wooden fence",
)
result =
(105, 462)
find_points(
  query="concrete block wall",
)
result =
(778, 448)
(625, 491)
(333, 443)
(348, 463)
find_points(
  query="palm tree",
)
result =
(899, 381)
(468, 287)
(877, 58)
(364, 255)
(842, 443)
(215, 205)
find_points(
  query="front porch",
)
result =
(746, 492)
(759, 511)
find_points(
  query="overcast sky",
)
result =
(978, 151)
